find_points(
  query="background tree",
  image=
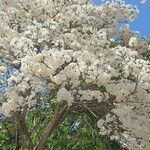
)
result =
(65, 51)
(77, 132)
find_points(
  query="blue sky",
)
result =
(142, 22)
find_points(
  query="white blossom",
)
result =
(70, 49)
(64, 95)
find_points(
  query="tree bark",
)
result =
(17, 139)
(25, 137)
(54, 122)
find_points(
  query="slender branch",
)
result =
(135, 88)
(90, 111)
(17, 140)
(25, 135)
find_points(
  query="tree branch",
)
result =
(25, 135)
(59, 113)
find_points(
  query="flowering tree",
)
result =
(66, 50)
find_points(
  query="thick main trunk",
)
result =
(54, 122)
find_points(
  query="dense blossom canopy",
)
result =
(77, 52)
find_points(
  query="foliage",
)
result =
(76, 132)
(7, 135)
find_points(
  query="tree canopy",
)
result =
(76, 55)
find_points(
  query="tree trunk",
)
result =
(54, 122)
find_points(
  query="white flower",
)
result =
(64, 95)
(75, 52)
(133, 42)
(2, 69)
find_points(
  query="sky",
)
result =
(142, 22)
